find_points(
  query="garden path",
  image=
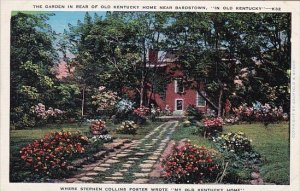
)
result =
(135, 164)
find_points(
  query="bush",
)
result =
(105, 100)
(238, 153)
(141, 114)
(127, 127)
(194, 112)
(191, 164)
(98, 127)
(51, 155)
(258, 112)
(234, 142)
(47, 116)
(212, 127)
(124, 110)
(22, 119)
(186, 123)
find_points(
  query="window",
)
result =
(200, 101)
(179, 88)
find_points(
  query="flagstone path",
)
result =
(135, 163)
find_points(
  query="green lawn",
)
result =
(272, 143)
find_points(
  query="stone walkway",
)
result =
(132, 164)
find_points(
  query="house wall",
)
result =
(189, 97)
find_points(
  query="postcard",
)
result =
(150, 95)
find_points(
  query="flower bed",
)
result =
(51, 155)
(258, 112)
(191, 164)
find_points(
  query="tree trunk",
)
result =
(82, 102)
(215, 107)
(142, 93)
(220, 102)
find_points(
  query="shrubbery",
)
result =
(236, 143)
(105, 100)
(186, 123)
(128, 127)
(51, 155)
(141, 114)
(98, 127)
(124, 110)
(211, 127)
(238, 153)
(258, 112)
(193, 111)
(191, 164)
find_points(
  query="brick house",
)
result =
(177, 95)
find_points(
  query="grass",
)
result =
(271, 142)
(188, 133)
(141, 132)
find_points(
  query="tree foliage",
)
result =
(243, 57)
(32, 59)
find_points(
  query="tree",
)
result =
(222, 50)
(112, 51)
(32, 58)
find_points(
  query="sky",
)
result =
(61, 19)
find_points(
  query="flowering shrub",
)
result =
(140, 114)
(50, 114)
(124, 111)
(191, 164)
(104, 99)
(234, 142)
(124, 106)
(50, 155)
(98, 127)
(141, 111)
(244, 113)
(127, 127)
(212, 126)
(237, 151)
(258, 112)
(232, 120)
(101, 138)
